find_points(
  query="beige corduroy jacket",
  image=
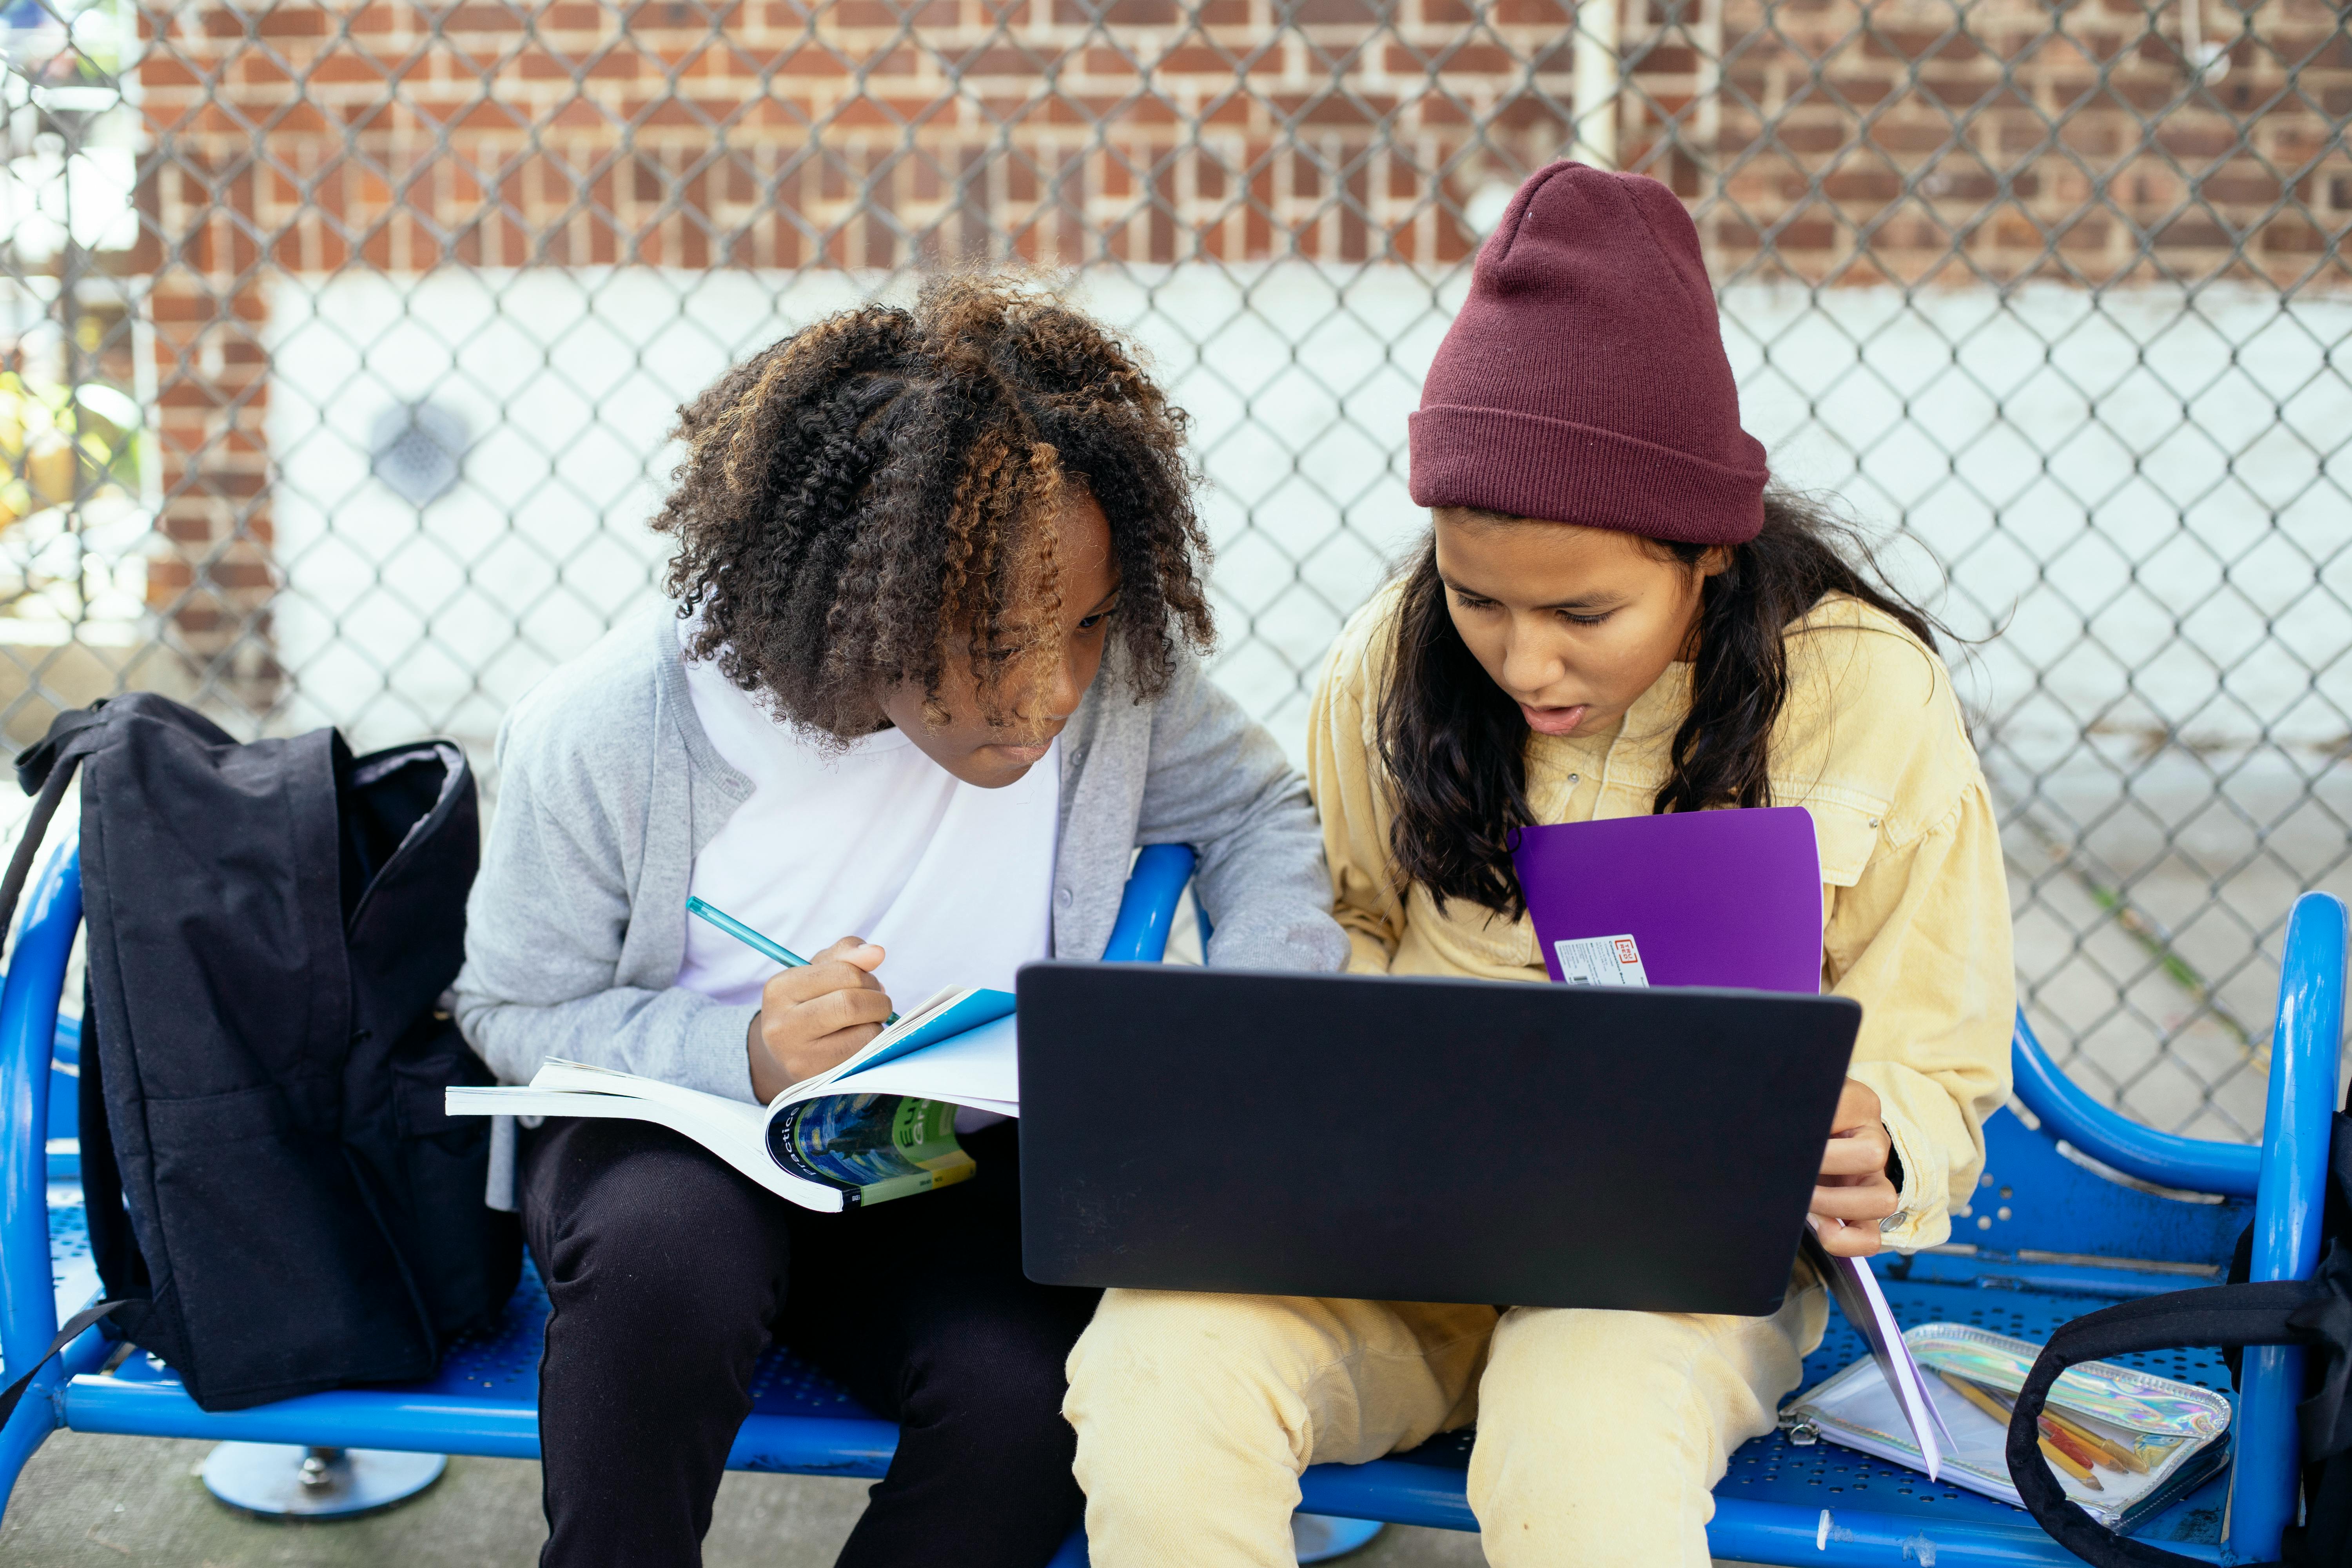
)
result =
(1915, 922)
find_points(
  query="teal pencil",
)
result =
(745, 935)
(784, 955)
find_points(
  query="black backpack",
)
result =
(278, 1201)
(2314, 1312)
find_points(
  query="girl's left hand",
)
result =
(1854, 1191)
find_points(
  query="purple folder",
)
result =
(1709, 897)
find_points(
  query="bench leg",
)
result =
(37, 1413)
(29, 1425)
(286, 1480)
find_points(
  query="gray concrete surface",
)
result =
(103, 1503)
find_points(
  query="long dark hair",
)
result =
(1454, 747)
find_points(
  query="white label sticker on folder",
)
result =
(1601, 961)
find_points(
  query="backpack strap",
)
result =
(48, 768)
(2286, 1312)
(65, 1336)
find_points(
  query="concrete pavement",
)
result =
(105, 1503)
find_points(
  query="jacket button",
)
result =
(1064, 898)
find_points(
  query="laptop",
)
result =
(1422, 1140)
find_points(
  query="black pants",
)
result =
(669, 1274)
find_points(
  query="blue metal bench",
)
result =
(2052, 1238)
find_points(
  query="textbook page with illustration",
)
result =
(1708, 897)
(880, 1125)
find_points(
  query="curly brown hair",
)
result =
(866, 498)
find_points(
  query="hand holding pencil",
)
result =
(817, 1016)
(812, 1016)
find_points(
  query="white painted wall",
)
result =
(2140, 492)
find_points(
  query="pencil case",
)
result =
(2178, 1430)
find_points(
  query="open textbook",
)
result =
(878, 1126)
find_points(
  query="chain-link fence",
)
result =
(337, 344)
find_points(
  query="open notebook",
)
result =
(878, 1126)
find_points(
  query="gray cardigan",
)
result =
(608, 788)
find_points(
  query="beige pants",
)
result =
(1601, 1435)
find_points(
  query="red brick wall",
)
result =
(576, 133)
(304, 138)
(2096, 159)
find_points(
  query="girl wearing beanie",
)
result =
(1613, 616)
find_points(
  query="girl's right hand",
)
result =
(816, 1017)
(1856, 1190)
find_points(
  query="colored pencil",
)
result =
(1975, 1395)
(2123, 1457)
(745, 935)
(2081, 1453)
(2072, 1466)
(2069, 1450)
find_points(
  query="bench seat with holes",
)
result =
(2078, 1208)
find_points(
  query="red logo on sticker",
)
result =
(1625, 951)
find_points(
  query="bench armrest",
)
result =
(1147, 911)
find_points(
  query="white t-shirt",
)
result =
(877, 841)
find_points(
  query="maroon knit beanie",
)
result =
(1585, 379)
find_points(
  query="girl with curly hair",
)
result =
(929, 678)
